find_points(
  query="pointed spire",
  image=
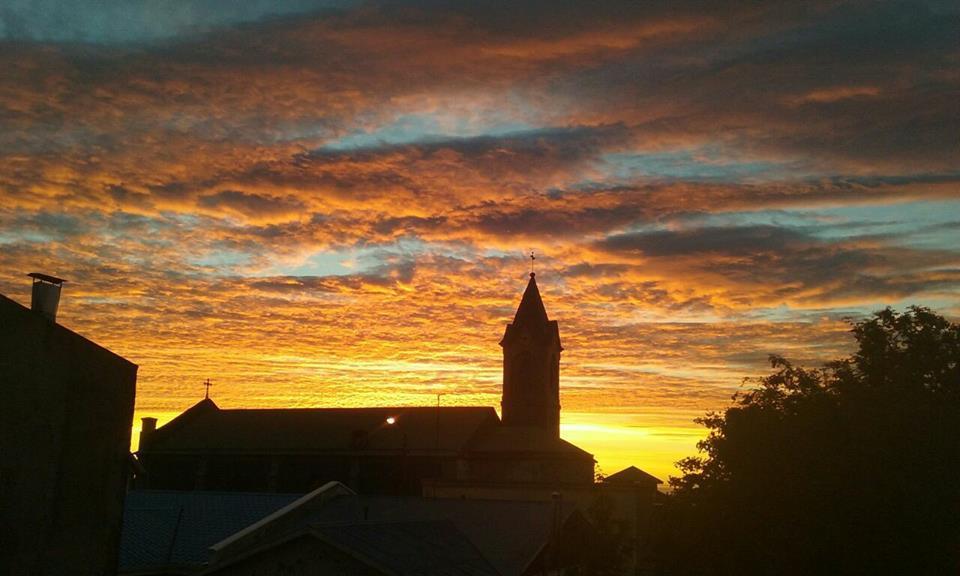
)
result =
(531, 311)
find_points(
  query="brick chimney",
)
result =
(147, 428)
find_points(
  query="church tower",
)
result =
(531, 366)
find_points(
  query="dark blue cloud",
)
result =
(125, 21)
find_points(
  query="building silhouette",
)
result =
(64, 440)
(384, 450)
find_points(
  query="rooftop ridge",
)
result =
(355, 408)
(18, 308)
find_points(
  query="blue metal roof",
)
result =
(175, 529)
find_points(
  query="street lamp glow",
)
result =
(391, 420)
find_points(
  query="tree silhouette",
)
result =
(849, 469)
(608, 546)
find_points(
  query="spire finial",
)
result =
(533, 259)
(207, 384)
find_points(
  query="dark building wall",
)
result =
(365, 473)
(68, 410)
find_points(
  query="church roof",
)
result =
(525, 441)
(207, 428)
(631, 475)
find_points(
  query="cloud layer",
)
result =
(331, 202)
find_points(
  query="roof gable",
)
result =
(631, 475)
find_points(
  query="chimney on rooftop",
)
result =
(46, 294)
(149, 426)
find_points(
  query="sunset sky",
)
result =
(331, 203)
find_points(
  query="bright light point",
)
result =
(391, 420)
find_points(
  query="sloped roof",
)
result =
(169, 528)
(509, 535)
(420, 548)
(175, 531)
(205, 427)
(25, 323)
(631, 475)
(525, 441)
(290, 515)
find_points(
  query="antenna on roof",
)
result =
(439, 394)
(207, 384)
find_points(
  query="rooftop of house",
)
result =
(176, 529)
(510, 534)
(406, 548)
(173, 530)
(631, 475)
(26, 326)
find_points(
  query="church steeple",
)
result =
(531, 310)
(531, 365)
